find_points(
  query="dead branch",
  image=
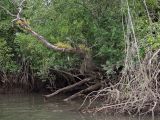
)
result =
(89, 89)
(20, 7)
(68, 88)
(49, 45)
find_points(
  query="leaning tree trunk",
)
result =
(87, 65)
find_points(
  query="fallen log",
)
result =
(89, 89)
(68, 88)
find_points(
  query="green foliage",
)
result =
(40, 57)
(78, 22)
(152, 3)
(7, 35)
(94, 25)
(6, 62)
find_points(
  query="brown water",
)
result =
(32, 107)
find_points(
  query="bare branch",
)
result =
(154, 56)
(20, 9)
(145, 5)
(8, 12)
(23, 24)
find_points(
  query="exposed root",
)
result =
(138, 91)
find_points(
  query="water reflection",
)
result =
(32, 107)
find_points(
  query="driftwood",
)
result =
(68, 88)
(89, 89)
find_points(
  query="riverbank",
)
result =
(135, 91)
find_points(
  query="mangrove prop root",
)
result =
(67, 88)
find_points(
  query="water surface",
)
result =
(33, 107)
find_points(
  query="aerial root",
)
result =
(138, 91)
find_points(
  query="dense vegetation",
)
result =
(115, 34)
